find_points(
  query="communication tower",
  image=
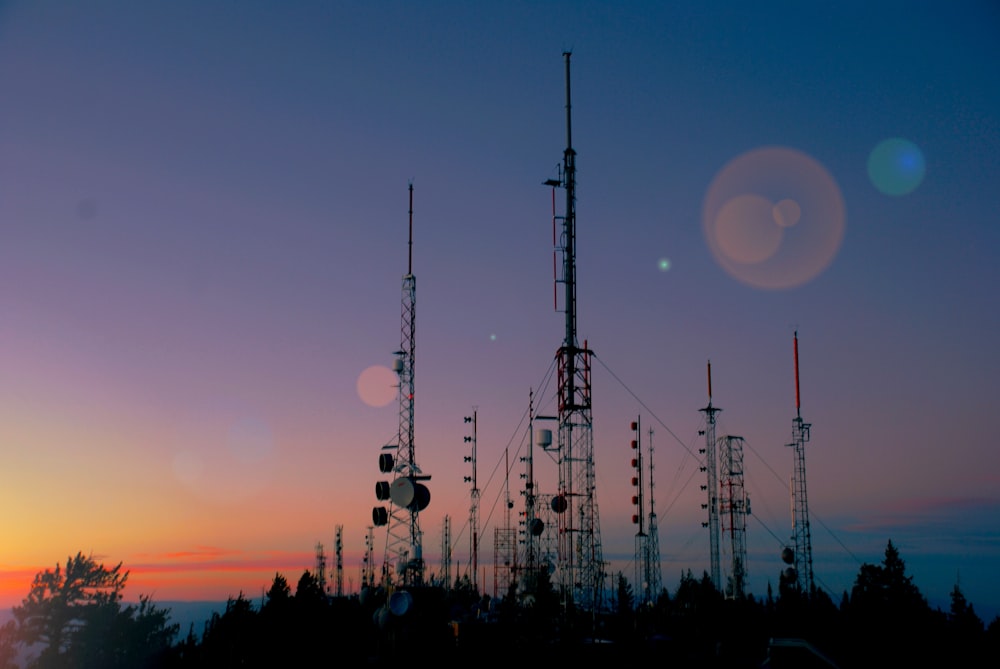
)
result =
(368, 561)
(320, 567)
(801, 575)
(581, 567)
(647, 547)
(406, 493)
(532, 524)
(712, 485)
(656, 571)
(446, 553)
(505, 542)
(473, 505)
(734, 508)
(338, 580)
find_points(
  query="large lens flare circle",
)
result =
(377, 386)
(773, 218)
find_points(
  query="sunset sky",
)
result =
(204, 228)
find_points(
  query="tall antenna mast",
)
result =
(446, 553)
(802, 573)
(407, 494)
(473, 505)
(320, 568)
(581, 563)
(646, 546)
(338, 579)
(655, 573)
(712, 485)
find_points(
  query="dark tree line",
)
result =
(74, 617)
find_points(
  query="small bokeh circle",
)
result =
(896, 166)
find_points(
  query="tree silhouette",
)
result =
(888, 617)
(74, 617)
(231, 639)
(8, 645)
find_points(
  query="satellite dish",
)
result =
(382, 491)
(559, 504)
(400, 602)
(787, 555)
(385, 462)
(791, 574)
(543, 437)
(380, 516)
(381, 617)
(421, 497)
(401, 491)
(537, 527)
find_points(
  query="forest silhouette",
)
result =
(75, 617)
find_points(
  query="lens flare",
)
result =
(377, 386)
(773, 218)
(787, 213)
(896, 166)
(746, 231)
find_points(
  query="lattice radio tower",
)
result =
(734, 508)
(446, 553)
(505, 542)
(473, 505)
(801, 539)
(655, 572)
(531, 527)
(403, 563)
(368, 561)
(647, 544)
(581, 567)
(320, 567)
(712, 485)
(338, 578)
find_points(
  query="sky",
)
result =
(204, 226)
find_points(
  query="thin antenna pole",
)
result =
(798, 403)
(710, 383)
(409, 265)
(569, 124)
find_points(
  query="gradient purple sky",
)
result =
(203, 231)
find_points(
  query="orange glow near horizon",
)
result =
(204, 574)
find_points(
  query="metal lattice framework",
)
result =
(801, 537)
(654, 569)
(368, 561)
(403, 562)
(445, 577)
(711, 486)
(338, 579)
(648, 577)
(581, 568)
(733, 509)
(473, 506)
